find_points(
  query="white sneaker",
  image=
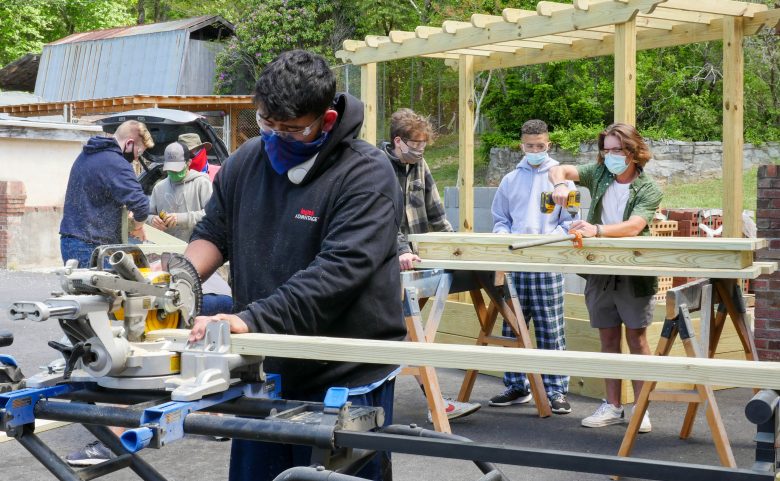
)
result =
(605, 415)
(645, 426)
(456, 409)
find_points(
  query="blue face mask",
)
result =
(285, 154)
(615, 163)
(535, 158)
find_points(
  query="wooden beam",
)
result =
(751, 272)
(368, 94)
(718, 7)
(625, 73)
(526, 27)
(566, 253)
(733, 125)
(682, 34)
(689, 243)
(466, 107)
(748, 374)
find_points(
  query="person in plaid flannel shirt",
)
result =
(410, 133)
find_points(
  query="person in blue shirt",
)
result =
(101, 183)
(516, 210)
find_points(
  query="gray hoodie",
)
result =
(186, 199)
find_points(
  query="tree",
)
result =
(268, 28)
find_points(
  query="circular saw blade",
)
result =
(186, 282)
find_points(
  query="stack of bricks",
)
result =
(687, 221)
(12, 199)
(767, 287)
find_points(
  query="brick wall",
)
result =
(767, 288)
(12, 198)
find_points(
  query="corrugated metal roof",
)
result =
(146, 59)
(189, 24)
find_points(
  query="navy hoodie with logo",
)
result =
(101, 182)
(318, 258)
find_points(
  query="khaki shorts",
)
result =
(611, 301)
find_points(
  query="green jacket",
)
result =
(644, 197)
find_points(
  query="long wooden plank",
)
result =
(691, 243)
(568, 254)
(619, 366)
(751, 272)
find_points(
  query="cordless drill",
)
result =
(572, 203)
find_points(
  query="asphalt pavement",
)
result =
(201, 458)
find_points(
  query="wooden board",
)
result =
(620, 366)
(459, 325)
(751, 272)
(566, 253)
(687, 243)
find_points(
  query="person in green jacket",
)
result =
(624, 201)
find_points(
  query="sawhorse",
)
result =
(701, 296)
(419, 286)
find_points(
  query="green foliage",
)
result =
(268, 28)
(570, 139)
(26, 25)
(22, 26)
(490, 140)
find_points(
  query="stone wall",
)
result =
(673, 161)
(767, 287)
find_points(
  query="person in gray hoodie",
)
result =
(516, 210)
(178, 201)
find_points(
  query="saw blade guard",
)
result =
(186, 282)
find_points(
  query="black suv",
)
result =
(166, 125)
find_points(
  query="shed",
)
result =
(169, 58)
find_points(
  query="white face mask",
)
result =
(615, 163)
(536, 158)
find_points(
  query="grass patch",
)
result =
(442, 158)
(708, 194)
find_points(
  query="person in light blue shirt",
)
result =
(516, 209)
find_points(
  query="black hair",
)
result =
(295, 84)
(534, 127)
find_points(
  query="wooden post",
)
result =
(733, 102)
(466, 106)
(369, 97)
(625, 72)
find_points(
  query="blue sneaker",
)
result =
(91, 454)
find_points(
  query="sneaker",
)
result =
(91, 454)
(559, 404)
(511, 396)
(605, 415)
(645, 426)
(456, 409)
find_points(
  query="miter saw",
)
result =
(107, 309)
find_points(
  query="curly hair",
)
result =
(630, 140)
(534, 127)
(408, 124)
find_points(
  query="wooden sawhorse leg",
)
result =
(513, 315)
(695, 295)
(426, 375)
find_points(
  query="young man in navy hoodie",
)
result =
(307, 215)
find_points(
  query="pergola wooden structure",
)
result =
(230, 104)
(583, 29)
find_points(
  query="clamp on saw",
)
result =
(105, 312)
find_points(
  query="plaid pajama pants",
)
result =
(540, 295)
